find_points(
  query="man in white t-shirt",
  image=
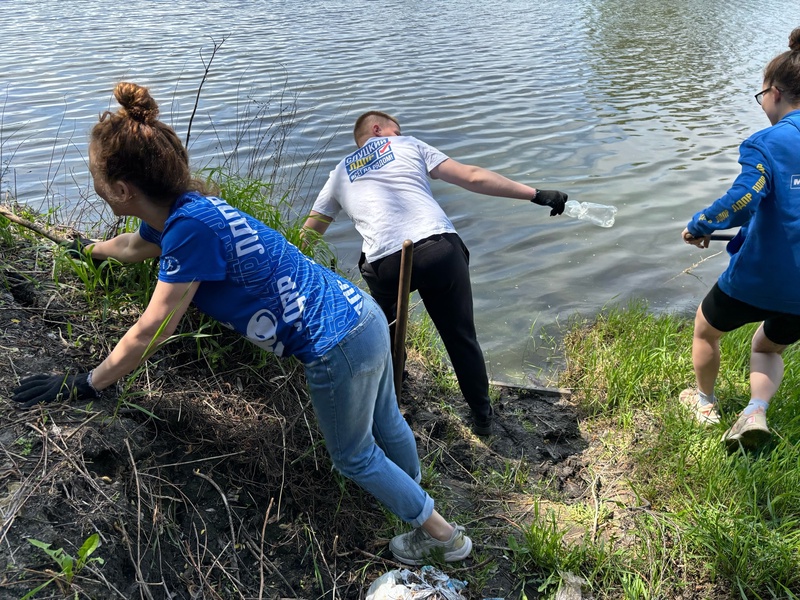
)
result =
(383, 187)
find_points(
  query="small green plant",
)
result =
(513, 478)
(6, 235)
(542, 552)
(26, 445)
(424, 339)
(68, 565)
(429, 465)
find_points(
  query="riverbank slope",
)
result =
(204, 474)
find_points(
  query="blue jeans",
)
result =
(352, 390)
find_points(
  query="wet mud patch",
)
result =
(535, 426)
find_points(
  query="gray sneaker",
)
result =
(414, 547)
(750, 431)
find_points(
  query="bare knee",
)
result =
(703, 329)
(762, 344)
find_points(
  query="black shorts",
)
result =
(726, 314)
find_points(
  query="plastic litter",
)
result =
(599, 214)
(570, 587)
(407, 585)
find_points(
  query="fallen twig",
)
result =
(596, 498)
(688, 270)
(261, 550)
(234, 560)
(32, 226)
(250, 544)
(137, 563)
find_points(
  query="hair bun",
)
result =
(136, 103)
(794, 40)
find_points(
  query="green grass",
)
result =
(732, 520)
(423, 339)
(701, 516)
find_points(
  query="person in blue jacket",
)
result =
(762, 281)
(250, 278)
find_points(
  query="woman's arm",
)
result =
(741, 201)
(157, 323)
(160, 318)
(126, 248)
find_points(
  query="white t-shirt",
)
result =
(383, 187)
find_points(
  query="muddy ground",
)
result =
(206, 477)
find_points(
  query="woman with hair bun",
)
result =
(248, 276)
(762, 281)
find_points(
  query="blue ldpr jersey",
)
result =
(253, 280)
(764, 200)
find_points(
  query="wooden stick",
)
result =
(28, 225)
(401, 324)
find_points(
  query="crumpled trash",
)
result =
(570, 587)
(403, 584)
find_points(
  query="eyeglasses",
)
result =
(760, 95)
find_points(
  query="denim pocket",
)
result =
(366, 348)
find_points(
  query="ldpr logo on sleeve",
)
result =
(795, 182)
(170, 265)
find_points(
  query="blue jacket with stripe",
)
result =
(764, 201)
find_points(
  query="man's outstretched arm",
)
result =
(480, 180)
(484, 181)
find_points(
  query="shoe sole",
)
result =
(453, 556)
(749, 440)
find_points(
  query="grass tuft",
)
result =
(735, 517)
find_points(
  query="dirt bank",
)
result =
(211, 480)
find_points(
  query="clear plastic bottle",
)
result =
(599, 214)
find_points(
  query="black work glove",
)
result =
(38, 389)
(551, 198)
(76, 250)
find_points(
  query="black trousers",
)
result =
(440, 272)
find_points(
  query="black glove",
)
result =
(38, 389)
(551, 198)
(75, 250)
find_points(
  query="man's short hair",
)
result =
(363, 122)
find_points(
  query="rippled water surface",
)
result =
(634, 103)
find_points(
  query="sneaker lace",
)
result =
(418, 538)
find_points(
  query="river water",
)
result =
(636, 103)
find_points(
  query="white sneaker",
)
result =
(750, 431)
(704, 413)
